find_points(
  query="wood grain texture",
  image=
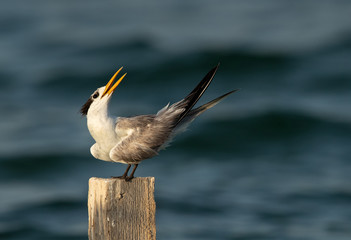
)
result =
(121, 210)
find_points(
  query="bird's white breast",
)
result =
(103, 132)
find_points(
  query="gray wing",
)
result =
(141, 138)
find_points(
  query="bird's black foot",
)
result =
(126, 178)
(125, 174)
(129, 178)
(119, 177)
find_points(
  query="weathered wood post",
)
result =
(121, 210)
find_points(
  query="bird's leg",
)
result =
(124, 176)
(131, 176)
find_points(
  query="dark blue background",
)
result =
(272, 161)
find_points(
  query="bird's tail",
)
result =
(197, 111)
(191, 99)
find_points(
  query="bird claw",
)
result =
(126, 178)
(119, 177)
(129, 178)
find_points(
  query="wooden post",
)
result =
(121, 210)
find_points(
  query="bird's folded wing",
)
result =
(141, 137)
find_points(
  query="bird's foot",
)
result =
(126, 178)
(120, 177)
(125, 174)
(129, 178)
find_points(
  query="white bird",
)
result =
(131, 140)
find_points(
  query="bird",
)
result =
(130, 140)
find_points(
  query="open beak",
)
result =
(109, 88)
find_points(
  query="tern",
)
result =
(130, 140)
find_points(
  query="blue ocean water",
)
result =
(271, 161)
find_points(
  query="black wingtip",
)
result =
(191, 99)
(233, 91)
(224, 95)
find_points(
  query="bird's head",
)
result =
(99, 99)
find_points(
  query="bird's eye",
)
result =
(95, 95)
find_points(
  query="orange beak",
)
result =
(109, 88)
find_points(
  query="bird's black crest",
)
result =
(85, 107)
